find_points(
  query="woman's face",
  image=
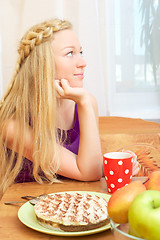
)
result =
(69, 62)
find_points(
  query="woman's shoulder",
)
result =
(13, 133)
(9, 128)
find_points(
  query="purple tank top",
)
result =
(71, 143)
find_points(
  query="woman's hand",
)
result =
(65, 91)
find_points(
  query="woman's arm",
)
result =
(87, 166)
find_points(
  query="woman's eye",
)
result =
(70, 54)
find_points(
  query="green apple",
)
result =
(144, 215)
(121, 200)
(153, 181)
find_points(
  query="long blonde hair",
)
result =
(30, 99)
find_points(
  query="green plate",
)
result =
(27, 216)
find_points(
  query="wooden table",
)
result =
(117, 125)
(11, 227)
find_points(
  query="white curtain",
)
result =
(110, 36)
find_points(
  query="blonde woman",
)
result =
(48, 121)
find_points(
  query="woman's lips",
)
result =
(81, 75)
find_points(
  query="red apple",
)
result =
(121, 200)
(153, 181)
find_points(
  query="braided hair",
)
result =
(36, 35)
(31, 100)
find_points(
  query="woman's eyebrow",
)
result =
(73, 47)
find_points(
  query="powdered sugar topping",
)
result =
(72, 209)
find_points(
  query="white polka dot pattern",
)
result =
(120, 163)
(126, 171)
(120, 180)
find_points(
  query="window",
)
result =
(133, 53)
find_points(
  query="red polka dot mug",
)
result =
(117, 169)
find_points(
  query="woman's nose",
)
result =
(81, 62)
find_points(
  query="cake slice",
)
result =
(72, 212)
